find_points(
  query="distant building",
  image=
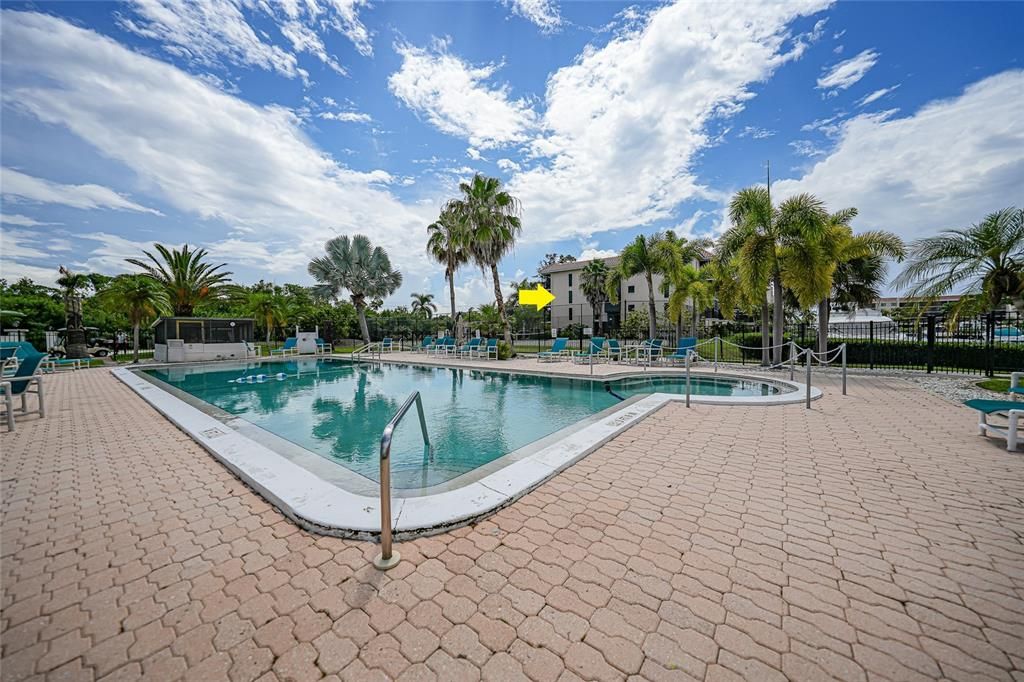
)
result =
(571, 306)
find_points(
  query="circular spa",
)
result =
(700, 385)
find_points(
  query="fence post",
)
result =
(718, 340)
(871, 344)
(844, 368)
(808, 379)
(930, 355)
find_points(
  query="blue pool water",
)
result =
(338, 409)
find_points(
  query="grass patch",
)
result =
(997, 385)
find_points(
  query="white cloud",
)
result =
(625, 122)
(22, 220)
(508, 165)
(591, 254)
(543, 13)
(756, 132)
(876, 95)
(208, 153)
(457, 98)
(474, 153)
(346, 116)
(111, 251)
(18, 186)
(12, 271)
(19, 244)
(475, 290)
(806, 148)
(846, 73)
(830, 126)
(945, 166)
(214, 30)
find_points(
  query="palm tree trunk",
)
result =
(652, 311)
(777, 318)
(696, 318)
(451, 293)
(362, 322)
(135, 334)
(765, 359)
(500, 302)
(823, 313)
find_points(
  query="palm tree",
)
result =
(688, 285)
(986, 260)
(267, 306)
(364, 270)
(446, 245)
(763, 236)
(71, 284)
(679, 256)
(423, 304)
(188, 279)
(643, 256)
(592, 283)
(491, 217)
(139, 297)
(814, 267)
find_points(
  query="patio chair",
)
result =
(52, 364)
(425, 344)
(557, 353)
(289, 348)
(387, 344)
(1015, 388)
(488, 350)
(29, 373)
(466, 349)
(594, 351)
(445, 345)
(323, 347)
(686, 347)
(8, 358)
(251, 349)
(614, 351)
(1012, 410)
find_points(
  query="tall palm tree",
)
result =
(986, 260)
(187, 277)
(592, 283)
(763, 236)
(446, 245)
(642, 256)
(267, 306)
(139, 297)
(355, 265)
(680, 258)
(688, 286)
(491, 217)
(423, 304)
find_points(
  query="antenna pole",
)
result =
(768, 167)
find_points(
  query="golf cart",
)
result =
(95, 346)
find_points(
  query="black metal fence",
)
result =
(985, 344)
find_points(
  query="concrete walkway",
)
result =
(873, 537)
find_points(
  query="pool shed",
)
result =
(189, 339)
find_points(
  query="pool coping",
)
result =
(323, 507)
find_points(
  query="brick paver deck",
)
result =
(875, 537)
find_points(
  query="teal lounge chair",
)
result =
(445, 345)
(425, 344)
(686, 347)
(387, 345)
(1011, 408)
(323, 347)
(614, 351)
(488, 350)
(557, 353)
(594, 351)
(29, 373)
(289, 348)
(466, 349)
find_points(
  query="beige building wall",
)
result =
(571, 306)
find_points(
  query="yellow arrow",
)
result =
(539, 297)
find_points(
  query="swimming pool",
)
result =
(338, 409)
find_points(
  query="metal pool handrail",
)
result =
(388, 559)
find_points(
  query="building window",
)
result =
(631, 290)
(570, 296)
(570, 314)
(570, 281)
(629, 308)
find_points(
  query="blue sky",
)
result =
(259, 130)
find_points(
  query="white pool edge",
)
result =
(325, 508)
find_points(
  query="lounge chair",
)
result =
(1015, 388)
(289, 348)
(29, 372)
(686, 347)
(488, 350)
(557, 353)
(8, 358)
(1011, 408)
(647, 352)
(252, 350)
(323, 347)
(425, 344)
(387, 345)
(445, 345)
(466, 349)
(594, 351)
(614, 351)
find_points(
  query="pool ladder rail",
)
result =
(387, 558)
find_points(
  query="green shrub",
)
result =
(504, 351)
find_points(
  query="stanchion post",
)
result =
(687, 378)
(718, 340)
(808, 381)
(844, 369)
